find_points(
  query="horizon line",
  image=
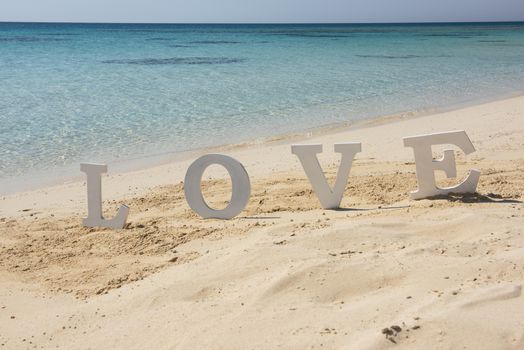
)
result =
(259, 23)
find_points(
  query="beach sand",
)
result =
(384, 271)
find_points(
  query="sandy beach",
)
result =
(384, 271)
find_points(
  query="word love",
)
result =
(329, 198)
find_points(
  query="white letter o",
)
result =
(241, 186)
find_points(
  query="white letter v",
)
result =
(307, 154)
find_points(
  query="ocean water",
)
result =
(117, 92)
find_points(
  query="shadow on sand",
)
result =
(476, 198)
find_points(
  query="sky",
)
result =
(260, 11)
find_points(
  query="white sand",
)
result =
(289, 275)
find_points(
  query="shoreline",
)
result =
(49, 178)
(120, 185)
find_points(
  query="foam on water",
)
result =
(114, 92)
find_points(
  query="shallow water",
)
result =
(114, 92)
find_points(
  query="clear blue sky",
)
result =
(246, 11)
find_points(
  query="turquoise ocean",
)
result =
(116, 93)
